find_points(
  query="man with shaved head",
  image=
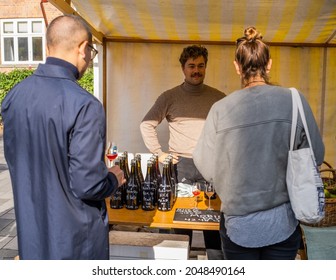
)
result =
(54, 141)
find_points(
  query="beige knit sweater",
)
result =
(185, 107)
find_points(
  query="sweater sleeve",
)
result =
(150, 122)
(149, 136)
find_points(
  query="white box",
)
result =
(146, 245)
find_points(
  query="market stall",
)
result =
(140, 42)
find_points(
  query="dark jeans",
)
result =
(186, 169)
(285, 250)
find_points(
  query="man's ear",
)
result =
(236, 65)
(82, 49)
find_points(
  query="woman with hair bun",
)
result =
(247, 136)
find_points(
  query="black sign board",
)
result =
(196, 215)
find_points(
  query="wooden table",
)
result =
(159, 219)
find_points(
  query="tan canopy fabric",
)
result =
(282, 21)
(142, 40)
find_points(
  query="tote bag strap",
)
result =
(297, 105)
(294, 118)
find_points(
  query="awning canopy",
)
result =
(220, 21)
(133, 69)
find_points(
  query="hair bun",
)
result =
(252, 34)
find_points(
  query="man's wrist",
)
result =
(162, 156)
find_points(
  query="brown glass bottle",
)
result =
(148, 189)
(156, 185)
(139, 176)
(157, 169)
(173, 177)
(125, 154)
(132, 189)
(165, 202)
(117, 197)
(123, 167)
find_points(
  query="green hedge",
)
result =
(87, 80)
(10, 79)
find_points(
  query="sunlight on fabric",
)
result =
(326, 29)
(288, 21)
(299, 23)
(308, 16)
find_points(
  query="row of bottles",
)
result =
(155, 191)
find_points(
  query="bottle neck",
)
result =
(157, 168)
(132, 174)
(149, 174)
(165, 175)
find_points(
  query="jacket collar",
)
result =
(55, 67)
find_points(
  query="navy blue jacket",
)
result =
(54, 140)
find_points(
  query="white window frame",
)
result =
(15, 35)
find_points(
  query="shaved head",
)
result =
(69, 38)
(67, 32)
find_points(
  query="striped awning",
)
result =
(126, 29)
(280, 21)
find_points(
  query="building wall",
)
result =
(25, 9)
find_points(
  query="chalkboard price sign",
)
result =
(196, 216)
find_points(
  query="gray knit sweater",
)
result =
(244, 147)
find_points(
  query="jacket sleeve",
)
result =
(204, 153)
(314, 132)
(89, 176)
